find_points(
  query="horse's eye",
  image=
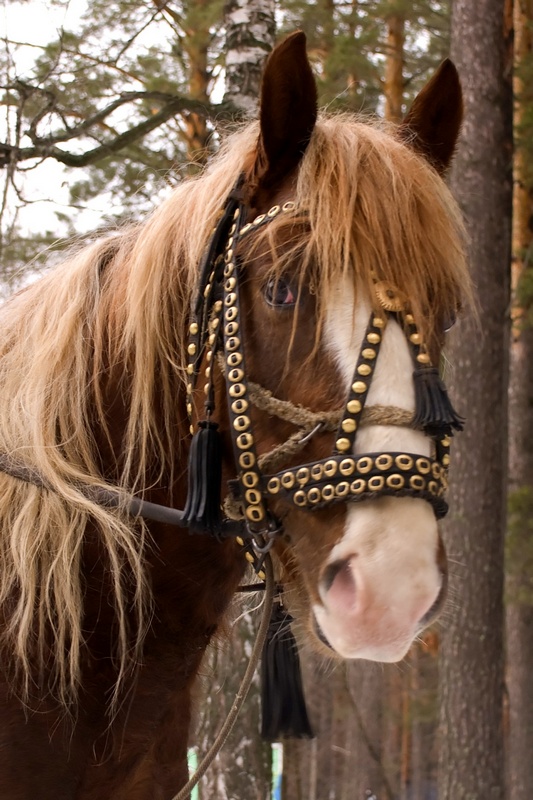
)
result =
(278, 292)
(449, 321)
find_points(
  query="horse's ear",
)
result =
(287, 115)
(433, 123)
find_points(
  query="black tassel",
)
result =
(434, 411)
(202, 509)
(284, 712)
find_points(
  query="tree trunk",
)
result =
(250, 36)
(520, 541)
(471, 758)
(393, 87)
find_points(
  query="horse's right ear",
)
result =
(287, 114)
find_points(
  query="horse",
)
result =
(133, 378)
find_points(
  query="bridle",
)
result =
(216, 326)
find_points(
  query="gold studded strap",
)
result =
(342, 478)
(359, 388)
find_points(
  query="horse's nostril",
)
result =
(331, 572)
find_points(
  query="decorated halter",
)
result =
(216, 326)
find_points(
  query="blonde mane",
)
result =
(371, 205)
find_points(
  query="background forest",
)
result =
(131, 96)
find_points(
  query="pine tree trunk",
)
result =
(250, 35)
(471, 758)
(519, 577)
(394, 67)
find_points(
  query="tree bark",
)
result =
(393, 88)
(471, 757)
(250, 36)
(519, 565)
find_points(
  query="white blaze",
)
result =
(389, 546)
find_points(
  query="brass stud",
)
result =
(211, 338)
(273, 485)
(348, 425)
(190, 369)
(189, 409)
(239, 541)
(417, 482)
(328, 492)
(343, 445)
(354, 406)
(259, 219)
(207, 389)
(245, 228)
(415, 338)
(384, 461)
(376, 483)
(191, 349)
(217, 306)
(359, 387)
(364, 464)
(237, 213)
(395, 481)
(229, 269)
(239, 406)
(300, 498)
(374, 338)
(229, 256)
(232, 229)
(191, 429)
(290, 205)
(234, 359)
(358, 486)
(445, 441)
(230, 284)
(255, 513)
(330, 468)
(246, 460)
(231, 328)
(193, 328)
(274, 211)
(215, 322)
(378, 322)
(250, 479)
(252, 496)
(249, 557)
(446, 460)
(317, 470)
(404, 462)
(436, 470)
(208, 372)
(189, 388)
(230, 299)
(235, 375)
(409, 319)
(288, 480)
(368, 353)
(241, 423)
(342, 489)
(237, 390)
(209, 356)
(261, 575)
(347, 466)
(364, 369)
(423, 465)
(423, 358)
(302, 475)
(314, 495)
(244, 441)
(231, 314)
(207, 291)
(233, 343)
(432, 487)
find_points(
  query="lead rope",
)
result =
(240, 697)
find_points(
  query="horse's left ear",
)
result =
(287, 115)
(434, 120)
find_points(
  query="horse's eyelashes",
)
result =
(279, 293)
(449, 321)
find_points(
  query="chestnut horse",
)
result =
(339, 248)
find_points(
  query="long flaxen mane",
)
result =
(371, 204)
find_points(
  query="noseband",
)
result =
(341, 477)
